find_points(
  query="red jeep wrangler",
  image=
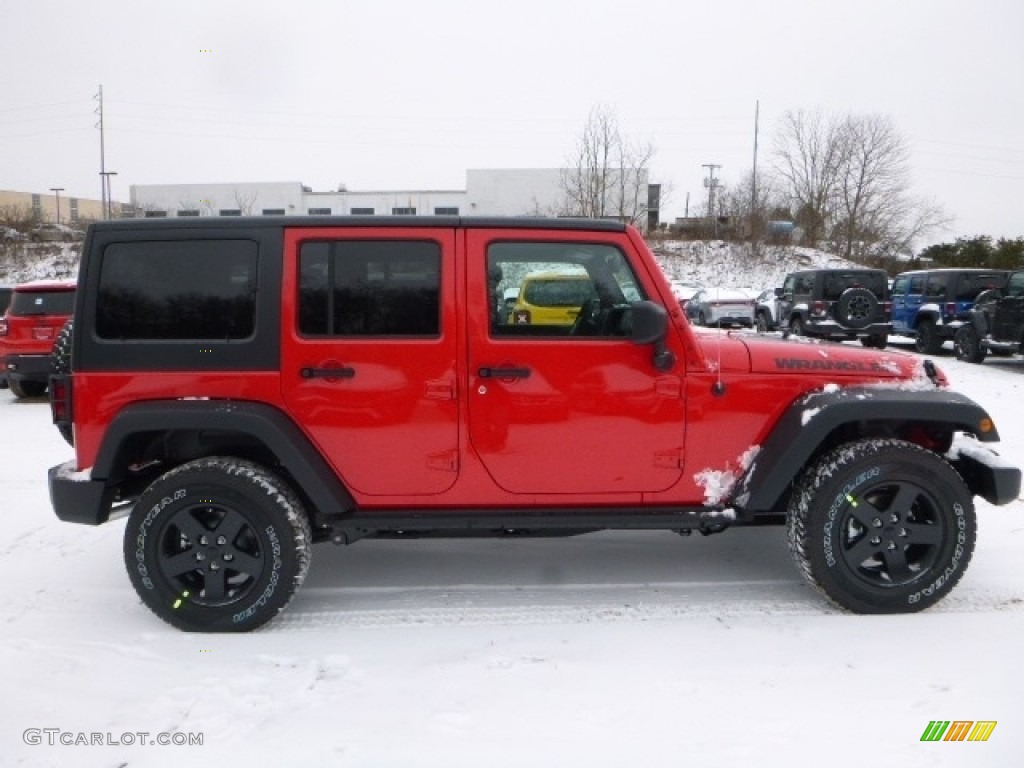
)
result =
(27, 332)
(245, 387)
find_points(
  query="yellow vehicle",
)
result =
(552, 297)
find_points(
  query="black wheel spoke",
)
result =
(230, 526)
(214, 584)
(865, 513)
(190, 526)
(923, 533)
(896, 565)
(179, 564)
(905, 498)
(861, 551)
(247, 564)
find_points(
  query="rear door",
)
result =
(1010, 310)
(575, 408)
(369, 353)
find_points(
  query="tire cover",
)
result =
(857, 307)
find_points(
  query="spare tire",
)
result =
(60, 364)
(857, 308)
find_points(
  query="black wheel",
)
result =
(882, 526)
(857, 307)
(967, 345)
(796, 326)
(217, 545)
(926, 340)
(875, 340)
(27, 389)
(701, 319)
(762, 322)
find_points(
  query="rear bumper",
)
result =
(28, 368)
(76, 498)
(829, 329)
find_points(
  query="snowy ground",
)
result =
(614, 649)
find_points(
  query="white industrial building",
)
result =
(488, 192)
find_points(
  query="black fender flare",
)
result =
(264, 423)
(808, 422)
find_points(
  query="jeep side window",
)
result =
(370, 288)
(916, 285)
(188, 289)
(560, 289)
(935, 286)
(899, 286)
(1015, 287)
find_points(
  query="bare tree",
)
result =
(245, 201)
(809, 159)
(738, 203)
(607, 173)
(850, 181)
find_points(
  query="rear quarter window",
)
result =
(190, 289)
(971, 285)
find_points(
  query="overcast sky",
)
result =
(409, 94)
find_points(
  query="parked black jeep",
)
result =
(996, 324)
(837, 304)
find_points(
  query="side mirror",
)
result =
(650, 326)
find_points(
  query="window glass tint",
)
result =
(560, 289)
(971, 285)
(26, 303)
(916, 284)
(192, 289)
(370, 288)
(836, 283)
(1015, 287)
(935, 285)
(899, 285)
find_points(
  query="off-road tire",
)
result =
(875, 340)
(926, 340)
(24, 390)
(857, 308)
(61, 365)
(967, 345)
(702, 319)
(882, 526)
(217, 545)
(796, 327)
(61, 355)
(761, 322)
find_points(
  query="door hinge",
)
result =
(445, 461)
(668, 459)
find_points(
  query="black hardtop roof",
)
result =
(951, 270)
(838, 270)
(447, 222)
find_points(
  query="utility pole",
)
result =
(103, 163)
(106, 187)
(56, 191)
(753, 180)
(712, 183)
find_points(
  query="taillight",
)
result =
(3, 326)
(819, 308)
(951, 309)
(60, 399)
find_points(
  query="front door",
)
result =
(560, 399)
(368, 354)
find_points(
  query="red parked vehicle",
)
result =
(245, 387)
(36, 313)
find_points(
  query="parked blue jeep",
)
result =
(932, 304)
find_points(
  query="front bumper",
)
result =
(76, 498)
(986, 473)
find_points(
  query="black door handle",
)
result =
(504, 373)
(327, 373)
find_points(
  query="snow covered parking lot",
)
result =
(613, 649)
